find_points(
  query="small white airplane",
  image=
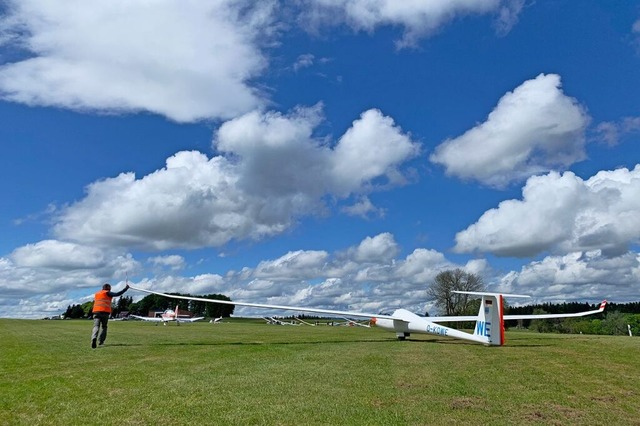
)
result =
(489, 323)
(215, 320)
(168, 316)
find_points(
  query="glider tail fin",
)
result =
(490, 322)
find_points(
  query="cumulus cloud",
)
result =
(174, 261)
(380, 248)
(562, 213)
(418, 19)
(364, 208)
(373, 143)
(58, 255)
(298, 265)
(186, 60)
(534, 129)
(367, 276)
(272, 171)
(51, 266)
(577, 276)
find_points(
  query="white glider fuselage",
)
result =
(408, 322)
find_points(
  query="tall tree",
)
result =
(443, 287)
(216, 310)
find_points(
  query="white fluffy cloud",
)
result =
(418, 18)
(534, 129)
(562, 213)
(364, 208)
(367, 276)
(174, 261)
(272, 172)
(60, 255)
(589, 275)
(186, 60)
(51, 267)
(298, 265)
(370, 149)
(380, 248)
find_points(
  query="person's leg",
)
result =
(105, 324)
(96, 329)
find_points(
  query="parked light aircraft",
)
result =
(489, 323)
(169, 315)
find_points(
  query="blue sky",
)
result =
(330, 153)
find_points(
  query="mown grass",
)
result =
(250, 373)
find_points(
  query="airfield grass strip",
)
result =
(251, 373)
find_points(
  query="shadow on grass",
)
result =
(468, 343)
(258, 343)
(108, 345)
(325, 342)
(512, 342)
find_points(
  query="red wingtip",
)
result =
(603, 304)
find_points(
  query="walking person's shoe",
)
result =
(93, 343)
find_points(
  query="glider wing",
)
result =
(266, 306)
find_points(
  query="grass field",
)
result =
(250, 373)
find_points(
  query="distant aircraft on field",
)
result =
(304, 322)
(489, 323)
(351, 322)
(276, 321)
(169, 315)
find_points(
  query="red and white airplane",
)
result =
(489, 323)
(168, 316)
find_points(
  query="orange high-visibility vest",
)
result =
(102, 302)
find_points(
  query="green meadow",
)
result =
(244, 372)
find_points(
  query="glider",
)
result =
(489, 323)
(167, 316)
(304, 322)
(275, 321)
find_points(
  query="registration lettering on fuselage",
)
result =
(436, 329)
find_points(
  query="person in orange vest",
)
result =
(102, 312)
